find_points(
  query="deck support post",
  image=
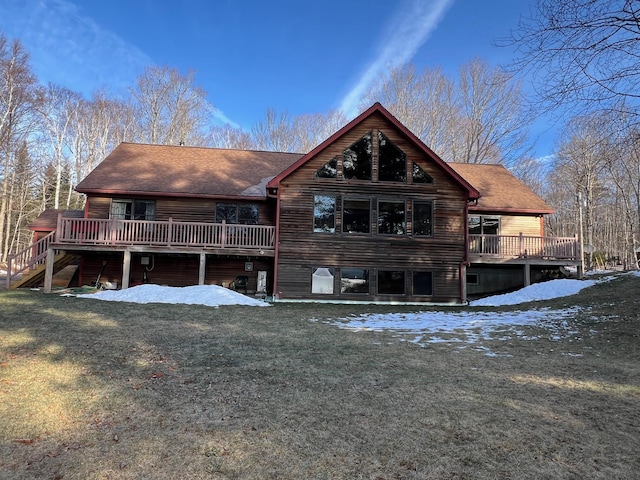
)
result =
(126, 269)
(48, 270)
(202, 269)
(527, 274)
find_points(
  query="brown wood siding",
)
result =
(174, 270)
(185, 209)
(300, 249)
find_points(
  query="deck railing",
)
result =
(522, 246)
(88, 231)
(28, 258)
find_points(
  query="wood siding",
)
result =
(300, 249)
(177, 270)
(184, 209)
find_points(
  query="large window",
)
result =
(357, 159)
(390, 282)
(356, 216)
(246, 214)
(423, 219)
(354, 280)
(324, 214)
(391, 217)
(423, 284)
(133, 209)
(392, 162)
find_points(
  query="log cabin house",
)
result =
(370, 215)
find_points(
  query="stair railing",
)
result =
(28, 258)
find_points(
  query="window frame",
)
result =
(130, 212)
(237, 207)
(344, 209)
(378, 218)
(413, 283)
(379, 281)
(335, 205)
(388, 144)
(414, 203)
(366, 280)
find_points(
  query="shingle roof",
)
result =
(48, 220)
(500, 190)
(185, 171)
(140, 169)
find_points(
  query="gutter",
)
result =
(275, 294)
(465, 262)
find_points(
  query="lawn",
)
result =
(111, 390)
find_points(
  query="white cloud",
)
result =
(407, 32)
(70, 49)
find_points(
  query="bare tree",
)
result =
(227, 136)
(17, 84)
(581, 53)
(171, 109)
(478, 118)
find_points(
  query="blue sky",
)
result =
(303, 57)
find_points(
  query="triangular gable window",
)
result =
(328, 170)
(357, 159)
(392, 162)
(420, 176)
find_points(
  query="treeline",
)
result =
(52, 137)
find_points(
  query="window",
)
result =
(484, 231)
(473, 279)
(423, 219)
(422, 284)
(391, 218)
(420, 176)
(356, 216)
(246, 214)
(328, 170)
(354, 280)
(392, 162)
(481, 225)
(324, 214)
(390, 282)
(133, 209)
(322, 280)
(357, 159)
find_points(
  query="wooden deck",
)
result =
(521, 247)
(86, 231)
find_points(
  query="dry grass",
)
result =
(102, 390)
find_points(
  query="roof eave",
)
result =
(102, 191)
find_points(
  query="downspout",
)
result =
(277, 248)
(465, 262)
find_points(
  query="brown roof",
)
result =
(48, 220)
(185, 171)
(500, 190)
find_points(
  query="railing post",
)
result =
(520, 244)
(58, 227)
(169, 231)
(223, 237)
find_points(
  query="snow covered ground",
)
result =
(469, 326)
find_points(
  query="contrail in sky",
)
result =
(407, 32)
